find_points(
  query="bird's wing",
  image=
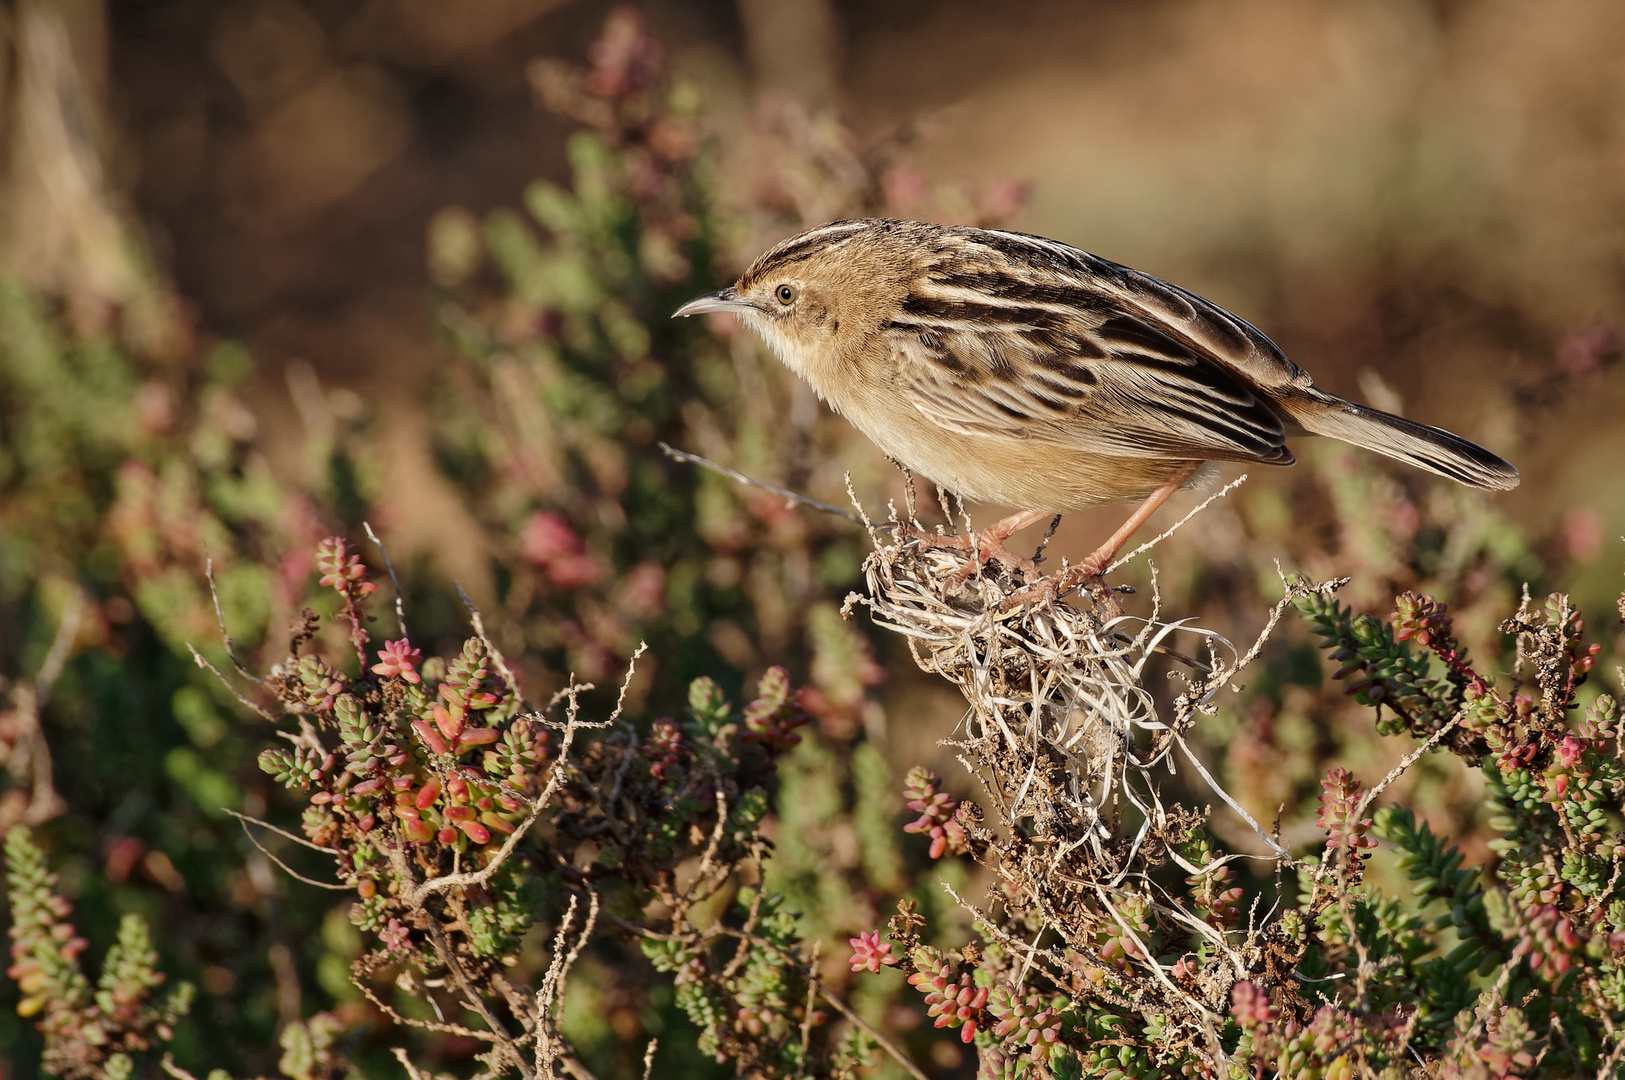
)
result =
(1091, 355)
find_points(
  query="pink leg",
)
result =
(1091, 568)
(1096, 564)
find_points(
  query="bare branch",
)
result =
(807, 1010)
(892, 1049)
(1063, 735)
(473, 1000)
(422, 1025)
(236, 693)
(295, 837)
(1176, 526)
(400, 597)
(412, 1070)
(550, 1048)
(791, 498)
(711, 846)
(67, 631)
(290, 871)
(31, 758)
(485, 639)
(220, 620)
(626, 683)
(169, 1066)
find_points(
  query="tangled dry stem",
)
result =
(1067, 743)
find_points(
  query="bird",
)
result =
(1013, 369)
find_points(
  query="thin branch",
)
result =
(891, 1048)
(31, 757)
(1409, 759)
(626, 684)
(220, 620)
(422, 1025)
(1013, 944)
(790, 498)
(1610, 1064)
(473, 1000)
(807, 1010)
(711, 846)
(57, 658)
(31, 752)
(238, 694)
(400, 598)
(169, 1066)
(295, 837)
(575, 1068)
(412, 1070)
(485, 639)
(285, 868)
(1176, 526)
(1032, 953)
(549, 1047)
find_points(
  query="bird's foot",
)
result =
(1089, 573)
(984, 547)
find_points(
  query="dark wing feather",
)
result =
(1078, 351)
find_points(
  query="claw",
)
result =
(1047, 590)
(985, 546)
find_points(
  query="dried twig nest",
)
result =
(1067, 741)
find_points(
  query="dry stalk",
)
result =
(1064, 737)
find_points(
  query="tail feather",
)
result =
(1430, 448)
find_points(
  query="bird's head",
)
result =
(818, 296)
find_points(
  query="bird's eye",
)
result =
(786, 294)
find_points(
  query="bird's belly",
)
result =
(1023, 474)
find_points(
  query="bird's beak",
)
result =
(722, 300)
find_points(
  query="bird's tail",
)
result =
(1430, 448)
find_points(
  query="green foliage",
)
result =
(459, 839)
(308, 1051)
(1472, 969)
(1380, 669)
(578, 375)
(46, 957)
(88, 1034)
(1541, 918)
(129, 463)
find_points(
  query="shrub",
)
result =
(548, 885)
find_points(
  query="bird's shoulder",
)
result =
(1116, 296)
(1007, 334)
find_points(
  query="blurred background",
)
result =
(272, 268)
(1410, 194)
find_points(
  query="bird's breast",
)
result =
(1023, 474)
